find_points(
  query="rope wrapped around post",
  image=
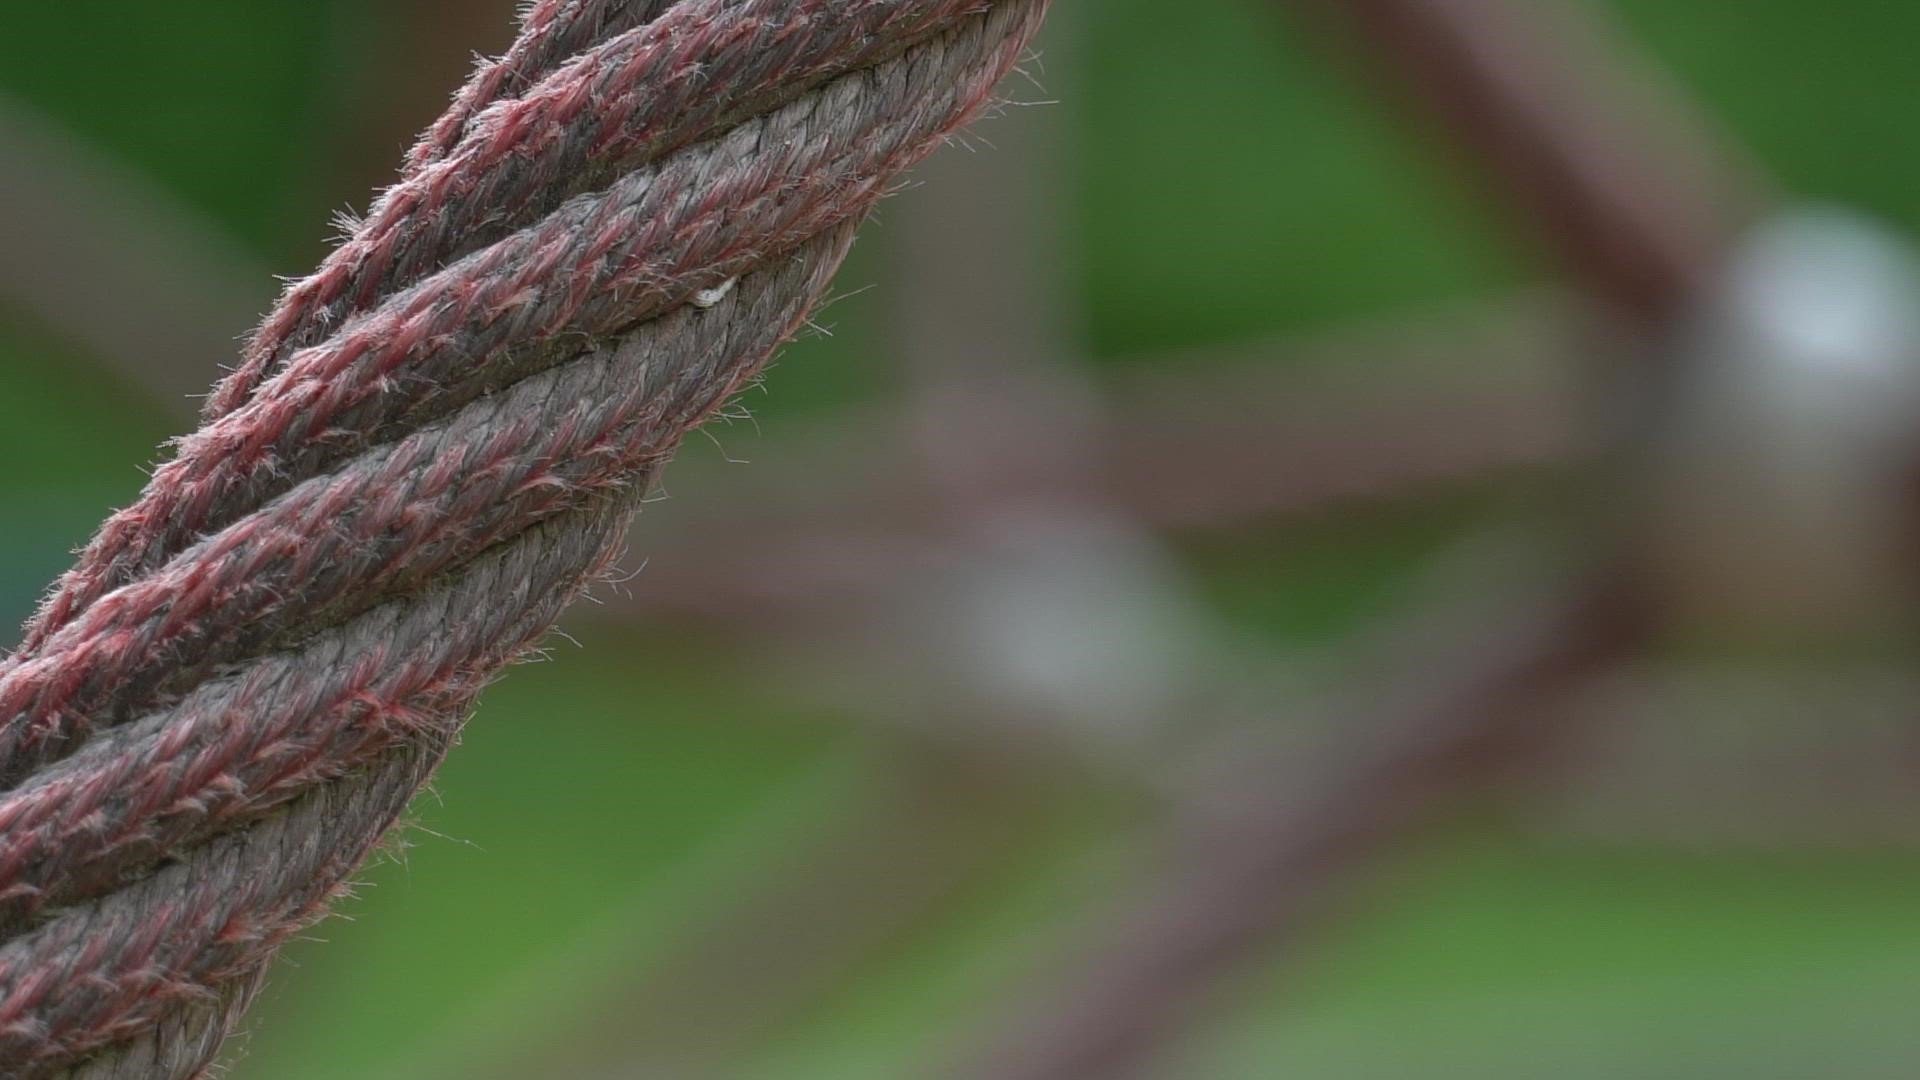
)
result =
(431, 446)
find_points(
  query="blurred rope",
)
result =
(1267, 855)
(430, 447)
(1618, 174)
(1539, 103)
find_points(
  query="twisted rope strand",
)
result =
(568, 551)
(238, 746)
(525, 156)
(625, 102)
(551, 33)
(108, 972)
(203, 927)
(267, 695)
(181, 1044)
(183, 1040)
(393, 517)
(653, 239)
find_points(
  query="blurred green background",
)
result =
(1230, 179)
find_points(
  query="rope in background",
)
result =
(432, 445)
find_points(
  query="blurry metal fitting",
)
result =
(1056, 624)
(1782, 471)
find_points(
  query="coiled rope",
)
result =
(431, 446)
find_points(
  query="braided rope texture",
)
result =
(432, 445)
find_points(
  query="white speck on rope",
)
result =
(706, 298)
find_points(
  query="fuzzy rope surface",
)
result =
(696, 70)
(551, 33)
(430, 449)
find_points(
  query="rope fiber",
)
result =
(431, 446)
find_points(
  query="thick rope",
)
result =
(698, 69)
(251, 671)
(236, 744)
(551, 33)
(654, 239)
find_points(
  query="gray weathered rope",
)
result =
(254, 668)
(241, 730)
(551, 33)
(599, 118)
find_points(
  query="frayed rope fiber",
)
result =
(431, 446)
